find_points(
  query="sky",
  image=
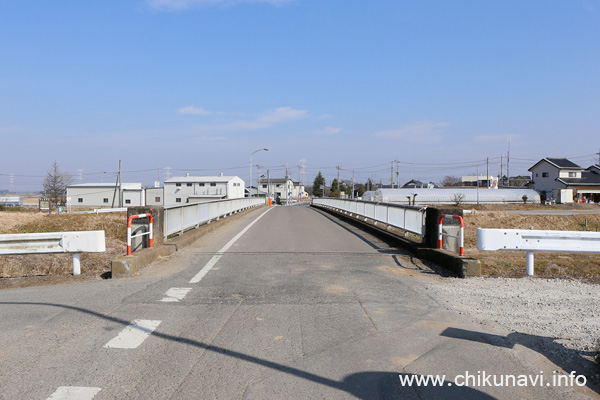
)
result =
(433, 88)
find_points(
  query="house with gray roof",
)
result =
(551, 174)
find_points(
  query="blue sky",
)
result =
(198, 85)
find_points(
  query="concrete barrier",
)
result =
(128, 265)
(461, 266)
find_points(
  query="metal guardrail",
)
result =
(54, 242)
(532, 240)
(180, 218)
(408, 218)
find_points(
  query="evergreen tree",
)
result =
(318, 182)
(55, 184)
(335, 188)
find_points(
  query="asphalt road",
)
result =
(299, 305)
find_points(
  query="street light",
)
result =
(250, 186)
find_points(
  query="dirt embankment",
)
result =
(28, 270)
(584, 266)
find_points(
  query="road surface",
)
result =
(279, 303)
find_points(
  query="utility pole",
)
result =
(392, 177)
(487, 176)
(352, 184)
(338, 176)
(477, 185)
(268, 183)
(118, 186)
(508, 162)
(397, 175)
(258, 166)
(501, 171)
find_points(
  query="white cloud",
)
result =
(329, 131)
(282, 114)
(423, 131)
(266, 120)
(174, 5)
(191, 110)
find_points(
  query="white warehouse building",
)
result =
(102, 194)
(454, 196)
(195, 189)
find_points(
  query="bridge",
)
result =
(274, 303)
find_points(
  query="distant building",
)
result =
(155, 196)
(416, 184)
(194, 189)
(483, 181)
(551, 174)
(283, 188)
(12, 201)
(102, 195)
(519, 181)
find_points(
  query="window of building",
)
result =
(545, 174)
(572, 174)
(157, 199)
(264, 186)
(178, 184)
(105, 200)
(80, 199)
(178, 200)
(127, 201)
(201, 184)
(189, 185)
(279, 185)
(213, 184)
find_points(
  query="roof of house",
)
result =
(587, 178)
(594, 168)
(560, 163)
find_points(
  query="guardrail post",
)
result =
(529, 265)
(76, 263)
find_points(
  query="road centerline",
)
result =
(211, 263)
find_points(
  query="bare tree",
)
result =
(451, 181)
(55, 184)
(459, 198)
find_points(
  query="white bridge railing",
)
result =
(532, 241)
(54, 242)
(408, 218)
(180, 218)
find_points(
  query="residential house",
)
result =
(284, 188)
(552, 174)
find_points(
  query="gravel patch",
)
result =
(562, 315)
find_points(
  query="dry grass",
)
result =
(512, 263)
(114, 226)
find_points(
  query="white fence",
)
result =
(532, 240)
(54, 242)
(180, 218)
(408, 218)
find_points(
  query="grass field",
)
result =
(96, 264)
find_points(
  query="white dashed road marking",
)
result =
(216, 258)
(175, 294)
(74, 393)
(134, 335)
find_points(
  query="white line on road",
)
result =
(175, 294)
(134, 335)
(216, 258)
(74, 393)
